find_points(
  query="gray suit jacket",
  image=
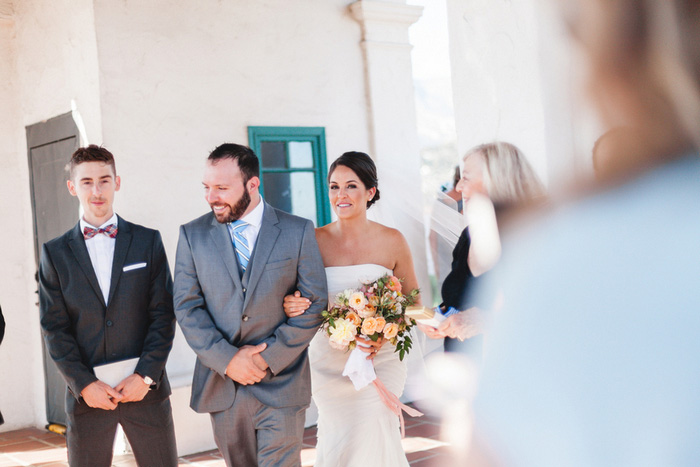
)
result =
(219, 311)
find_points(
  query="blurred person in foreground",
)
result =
(594, 357)
(495, 176)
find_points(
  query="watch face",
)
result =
(147, 380)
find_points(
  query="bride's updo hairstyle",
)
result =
(363, 166)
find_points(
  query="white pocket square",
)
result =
(131, 267)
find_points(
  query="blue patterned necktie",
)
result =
(240, 243)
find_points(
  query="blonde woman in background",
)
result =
(495, 176)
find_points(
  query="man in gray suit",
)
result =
(233, 268)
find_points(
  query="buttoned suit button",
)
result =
(109, 323)
(246, 317)
(243, 289)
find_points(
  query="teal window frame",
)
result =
(314, 135)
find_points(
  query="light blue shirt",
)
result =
(254, 220)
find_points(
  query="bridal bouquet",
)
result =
(375, 310)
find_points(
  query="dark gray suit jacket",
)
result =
(219, 311)
(81, 332)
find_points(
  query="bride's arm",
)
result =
(295, 305)
(403, 266)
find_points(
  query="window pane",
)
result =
(292, 192)
(301, 155)
(277, 190)
(304, 195)
(273, 154)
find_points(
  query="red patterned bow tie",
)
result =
(110, 230)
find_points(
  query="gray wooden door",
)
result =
(50, 146)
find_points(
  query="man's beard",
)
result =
(236, 211)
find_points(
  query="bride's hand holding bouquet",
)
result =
(368, 317)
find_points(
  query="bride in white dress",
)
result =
(355, 428)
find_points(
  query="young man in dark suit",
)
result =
(106, 296)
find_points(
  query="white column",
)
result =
(392, 120)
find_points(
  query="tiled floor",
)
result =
(40, 448)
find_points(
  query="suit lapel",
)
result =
(76, 243)
(224, 245)
(263, 247)
(121, 247)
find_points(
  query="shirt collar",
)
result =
(255, 216)
(112, 220)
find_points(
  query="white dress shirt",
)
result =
(101, 251)
(254, 221)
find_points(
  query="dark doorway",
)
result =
(50, 145)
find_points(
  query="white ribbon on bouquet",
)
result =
(361, 373)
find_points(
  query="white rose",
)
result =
(342, 333)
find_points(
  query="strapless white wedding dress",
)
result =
(355, 428)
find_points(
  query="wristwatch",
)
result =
(147, 380)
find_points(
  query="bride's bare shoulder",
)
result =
(326, 232)
(387, 233)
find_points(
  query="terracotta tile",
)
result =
(308, 457)
(424, 430)
(45, 456)
(49, 436)
(45, 449)
(24, 445)
(311, 441)
(418, 455)
(437, 460)
(23, 433)
(123, 462)
(203, 458)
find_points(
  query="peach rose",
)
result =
(369, 326)
(354, 318)
(357, 301)
(381, 322)
(393, 284)
(391, 330)
(367, 312)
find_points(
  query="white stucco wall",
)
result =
(516, 77)
(21, 380)
(48, 59)
(496, 76)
